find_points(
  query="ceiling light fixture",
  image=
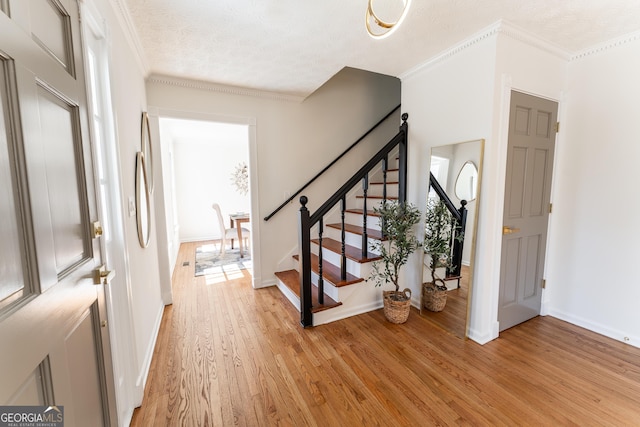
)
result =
(379, 28)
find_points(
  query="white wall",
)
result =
(129, 100)
(594, 246)
(293, 141)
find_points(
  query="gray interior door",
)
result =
(51, 314)
(532, 135)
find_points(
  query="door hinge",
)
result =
(557, 127)
(544, 283)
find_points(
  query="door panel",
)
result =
(64, 174)
(84, 370)
(516, 201)
(527, 196)
(50, 28)
(12, 284)
(536, 207)
(531, 267)
(511, 273)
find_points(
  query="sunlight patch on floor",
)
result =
(227, 272)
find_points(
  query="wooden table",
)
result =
(238, 219)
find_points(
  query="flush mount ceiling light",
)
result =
(389, 16)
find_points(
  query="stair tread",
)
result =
(291, 279)
(331, 273)
(360, 196)
(382, 182)
(356, 229)
(351, 252)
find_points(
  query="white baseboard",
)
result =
(598, 328)
(479, 337)
(265, 284)
(126, 419)
(141, 379)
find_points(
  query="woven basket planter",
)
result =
(433, 298)
(397, 305)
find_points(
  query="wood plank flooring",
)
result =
(454, 316)
(230, 355)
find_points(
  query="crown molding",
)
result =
(131, 35)
(215, 87)
(500, 27)
(508, 29)
(456, 49)
(608, 45)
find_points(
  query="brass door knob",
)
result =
(102, 276)
(509, 230)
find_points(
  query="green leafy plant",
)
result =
(439, 225)
(397, 222)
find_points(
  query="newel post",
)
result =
(304, 260)
(402, 166)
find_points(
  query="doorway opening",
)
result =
(209, 163)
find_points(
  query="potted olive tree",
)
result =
(438, 230)
(397, 222)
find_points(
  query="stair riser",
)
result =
(392, 176)
(377, 190)
(356, 219)
(356, 268)
(350, 238)
(358, 203)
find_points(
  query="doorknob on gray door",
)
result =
(509, 230)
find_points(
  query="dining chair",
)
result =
(229, 233)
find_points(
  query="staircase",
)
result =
(329, 281)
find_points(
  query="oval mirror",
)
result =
(143, 207)
(466, 186)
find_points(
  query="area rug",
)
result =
(210, 261)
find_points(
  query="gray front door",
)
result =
(52, 317)
(532, 135)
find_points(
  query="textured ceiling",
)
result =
(294, 46)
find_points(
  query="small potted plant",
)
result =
(397, 222)
(438, 230)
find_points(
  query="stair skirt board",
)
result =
(345, 310)
(288, 293)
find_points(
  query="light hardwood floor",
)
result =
(230, 355)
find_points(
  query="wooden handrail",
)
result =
(333, 162)
(306, 220)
